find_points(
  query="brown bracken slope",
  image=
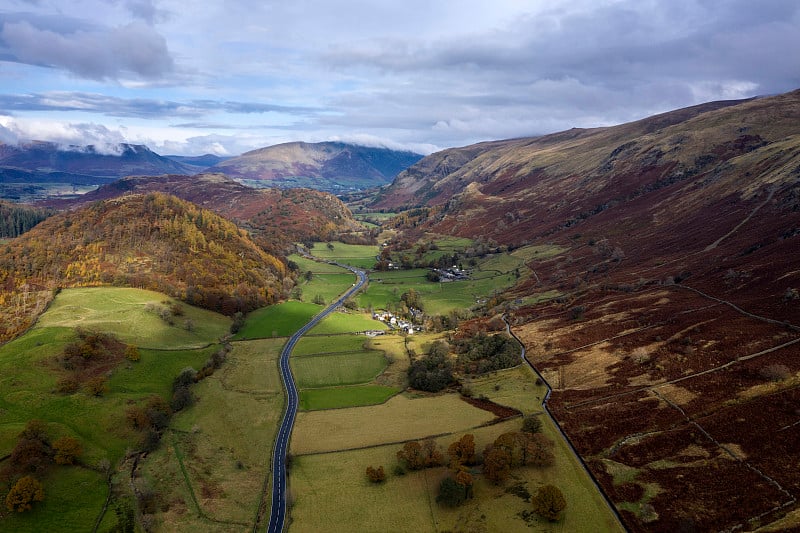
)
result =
(674, 350)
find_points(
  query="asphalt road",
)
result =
(278, 515)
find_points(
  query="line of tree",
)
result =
(18, 219)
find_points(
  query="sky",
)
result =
(227, 76)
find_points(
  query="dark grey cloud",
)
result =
(136, 107)
(614, 44)
(90, 51)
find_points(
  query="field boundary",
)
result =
(490, 423)
(576, 455)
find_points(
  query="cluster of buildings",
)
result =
(393, 321)
(451, 274)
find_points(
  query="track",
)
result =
(277, 516)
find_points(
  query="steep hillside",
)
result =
(327, 166)
(277, 217)
(152, 241)
(673, 345)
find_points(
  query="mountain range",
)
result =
(667, 319)
(38, 170)
(326, 166)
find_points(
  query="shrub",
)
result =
(67, 385)
(66, 449)
(97, 386)
(548, 502)
(451, 493)
(775, 372)
(24, 492)
(376, 475)
(532, 424)
(132, 353)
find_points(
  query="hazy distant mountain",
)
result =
(326, 166)
(198, 162)
(35, 166)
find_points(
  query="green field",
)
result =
(326, 286)
(357, 255)
(438, 298)
(314, 371)
(280, 320)
(340, 322)
(28, 376)
(305, 264)
(123, 311)
(332, 491)
(311, 345)
(212, 467)
(338, 397)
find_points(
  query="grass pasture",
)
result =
(346, 322)
(357, 255)
(122, 311)
(341, 397)
(74, 496)
(400, 418)
(218, 453)
(323, 344)
(327, 286)
(280, 320)
(332, 493)
(349, 368)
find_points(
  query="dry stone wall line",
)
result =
(791, 500)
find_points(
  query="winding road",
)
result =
(278, 514)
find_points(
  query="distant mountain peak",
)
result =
(332, 166)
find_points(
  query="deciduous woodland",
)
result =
(152, 241)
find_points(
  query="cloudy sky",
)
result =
(226, 76)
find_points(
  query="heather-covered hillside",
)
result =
(673, 340)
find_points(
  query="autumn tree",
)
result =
(24, 492)
(132, 353)
(417, 456)
(376, 475)
(32, 452)
(411, 455)
(538, 450)
(496, 464)
(462, 451)
(97, 386)
(549, 502)
(67, 450)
